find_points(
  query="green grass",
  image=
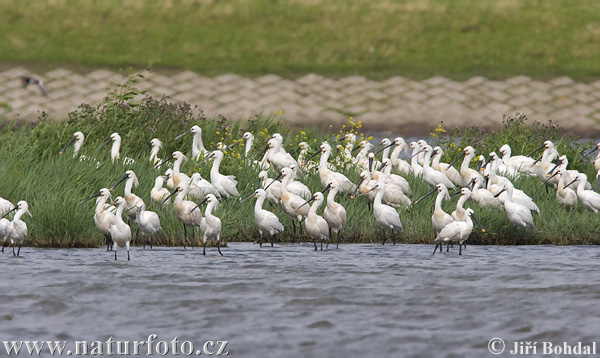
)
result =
(54, 184)
(374, 38)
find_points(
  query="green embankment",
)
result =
(374, 38)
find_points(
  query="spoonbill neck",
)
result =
(324, 158)
(216, 165)
(100, 204)
(313, 208)
(128, 186)
(197, 144)
(249, 143)
(385, 154)
(114, 152)
(259, 203)
(209, 209)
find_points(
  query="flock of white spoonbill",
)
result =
(382, 182)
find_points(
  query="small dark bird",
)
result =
(26, 81)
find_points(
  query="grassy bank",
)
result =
(54, 184)
(375, 38)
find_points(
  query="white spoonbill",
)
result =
(467, 173)
(445, 168)
(297, 187)
(225, 184)
(386, 216)
(4, 227)
(588, 198)
(430, 175)
(521, 163)
(459, 214)
(263, 164)
(421, 157)
(483, 197)
(291, 203)
(5, 206)
(116, 148)
(393, 178)
(148, 222)
(399, 165)
(279, 158)
(316, 226)
(17, 230)
(326, 175)
(182, 209)
(562, 164)
(310, 166)
(156, 145)
(596, 160)
(197, 145)
(176, 174)
(210, 224)
(566, 197)
(440, 218)
(204, 186)
(103, 218)
(416, 169)
(271, 186)
(518, 214)
(131, 199)
(267, 222)
(457, 231)
(120, 232)
(393, 196)
(335, 213)
(158, 192)
(78, 138)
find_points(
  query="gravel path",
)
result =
(395, 104)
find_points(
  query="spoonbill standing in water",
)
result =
(183, 210)
(440, 219)
(210, 224)
(335, 213)
(119, 230)
(103, 218)
(386, 216)
(457, 231)
(17, 230)
(267, 222)
(316, 226)
(148, 222)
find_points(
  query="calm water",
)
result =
(359, 301)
